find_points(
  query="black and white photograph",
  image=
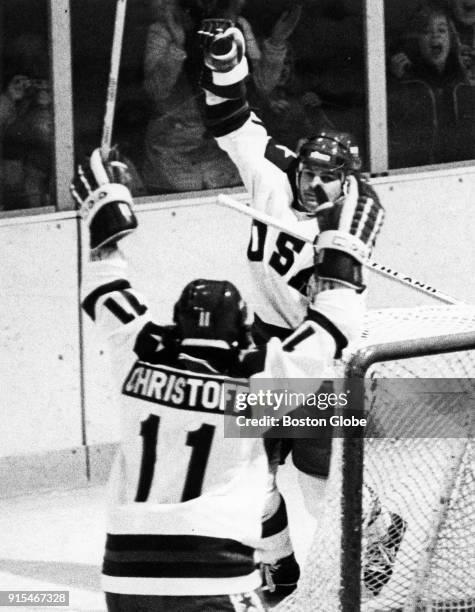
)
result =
(237, 330)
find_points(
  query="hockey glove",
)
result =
(348, 231)
(100, 188)
(223, 55)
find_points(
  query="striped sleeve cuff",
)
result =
(224, 118)
(90, 301)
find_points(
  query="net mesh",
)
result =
(418, 544)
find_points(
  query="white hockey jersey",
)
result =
(282, 265)
(186, 502)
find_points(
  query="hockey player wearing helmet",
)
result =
(212, 314)
(291, 187)
(324, 163)
(186, 502)
(322, 181)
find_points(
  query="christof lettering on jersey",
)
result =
(176, 388)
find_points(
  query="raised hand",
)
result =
(105, 202)
(222, 43)
(286, 24)
(224, 58)
(175, 24)
(399, 65)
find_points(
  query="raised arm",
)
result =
(261, 162)
(106, 206)
(164, 53)
(267, 71)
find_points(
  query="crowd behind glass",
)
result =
(307, 74)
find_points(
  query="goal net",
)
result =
(397, 530)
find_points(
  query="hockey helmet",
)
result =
(212, 313)
(324, 161)
(331, 150)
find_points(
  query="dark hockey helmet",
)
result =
(212, 313)
(332, 151)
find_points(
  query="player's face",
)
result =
(316, 187)
(434, 41)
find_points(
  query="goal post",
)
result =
(365, 357)
(353, 458)
(397, 531)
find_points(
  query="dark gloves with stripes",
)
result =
(348, 231)
(225, 64)
(101, 190)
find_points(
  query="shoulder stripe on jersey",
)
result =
(279, 155)
(89, 303)
(321, 320)
(176, 556)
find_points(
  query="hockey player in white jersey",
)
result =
(296, 189)
(285, 185)
(186, 503)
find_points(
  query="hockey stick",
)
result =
(372, 265)
(113, 78)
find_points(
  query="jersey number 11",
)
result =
(200, 441)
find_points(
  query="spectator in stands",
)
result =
(179, 154)
(28, 145)
(26, 124)
(290, 112)
(26, 130)
(463, 14)
(430, 102)
(11, 102)
(36, 134)
(325, 86)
